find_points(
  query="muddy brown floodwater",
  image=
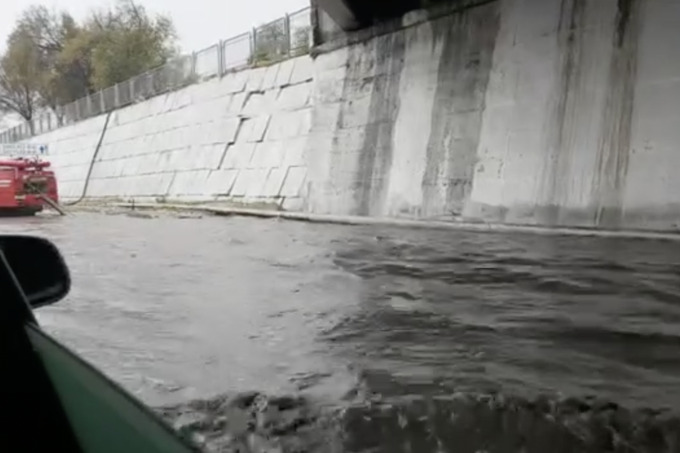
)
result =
(376, 339)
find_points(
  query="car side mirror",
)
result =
(39, 268)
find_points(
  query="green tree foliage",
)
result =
(53, 35)
(71, 74)
(51, 60)
(21, 76)
(128, 42)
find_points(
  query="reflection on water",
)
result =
(177, 309)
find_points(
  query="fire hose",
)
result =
(94, 158)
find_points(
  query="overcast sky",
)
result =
(199, 23)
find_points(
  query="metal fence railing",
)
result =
(283, 38)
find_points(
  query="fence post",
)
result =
(131, 89)
(253, 45)
(286, 28)
(116, 96)
(193, 64)
(220, 57)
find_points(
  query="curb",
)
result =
(401, 223)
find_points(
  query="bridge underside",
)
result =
(355, 14)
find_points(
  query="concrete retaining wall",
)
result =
(515, 111)
(519, 111)
(241, 138)
(71, 151)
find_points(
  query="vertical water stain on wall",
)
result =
(375, 158)
(468, 40)
(614, 148)
(337, 185)
(561, 128)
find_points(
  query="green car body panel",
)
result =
(104, 417)
(70, 404)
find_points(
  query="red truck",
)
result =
(26, 186)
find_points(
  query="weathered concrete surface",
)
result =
(406, 125)
(241, 137)
(561, 104)
(539, 112)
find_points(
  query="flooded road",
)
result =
(177, 309)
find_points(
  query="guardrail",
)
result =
(278, 40)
